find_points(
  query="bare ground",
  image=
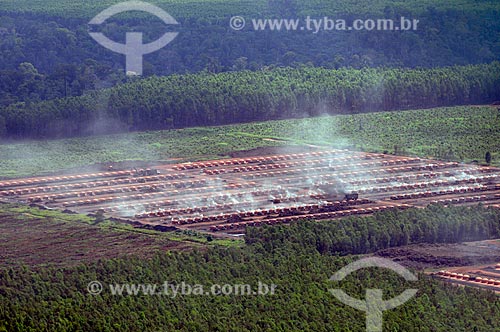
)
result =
(31, 240)
(428, 256)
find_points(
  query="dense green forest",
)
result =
(46, 51)
(213, 99)
(219, 8)
(294, 259)
(394, 228)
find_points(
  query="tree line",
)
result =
(206, 99)
(393, 228)
(53, 38)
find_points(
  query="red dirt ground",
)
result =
(31, 240)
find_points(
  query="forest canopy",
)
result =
(235, 97)
(52, 36)
(299, 260)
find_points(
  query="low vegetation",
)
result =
(35, 237)
(470, 133)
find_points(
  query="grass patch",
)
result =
(35, 237)
(455, 133)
